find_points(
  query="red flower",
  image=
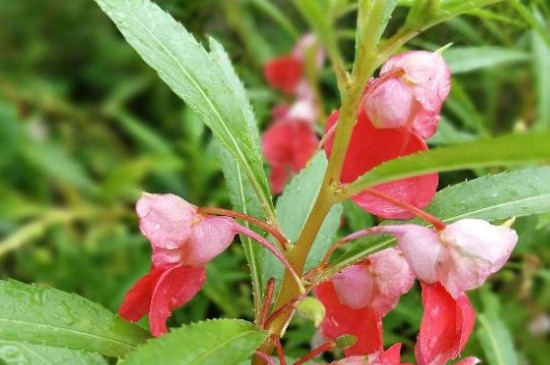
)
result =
(287, 146)
(364, 323)
(161, 291)
(446, 325)
(356, 299)
(369, 147)
(284, 73)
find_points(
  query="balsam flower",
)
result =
(287, 146)
(368, 148)
(183, 241)
(391, 356)
(460, 257)
(409, 93)
(357, 298)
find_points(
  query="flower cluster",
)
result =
(398, 110)
(290, 141)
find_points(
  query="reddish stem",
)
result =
(327, 346)
(267, 302)
(245, 217)
(262, 241)
(280, 352)
(265, 357)
(434, 221)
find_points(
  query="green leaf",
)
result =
(214, 342)
(466, 59)
(244, 200)
(541, 76)
(205, 81)
(495, 340)
(507, 150)
(18, 353)
(293, 208)
(491, 197)
(46, 316)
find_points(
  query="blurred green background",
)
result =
(85, 126)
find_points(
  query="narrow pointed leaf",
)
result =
(204, 80)
(492, 197)
(225, 341)
(511, 149)
(46, 316)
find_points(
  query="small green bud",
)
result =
(345, 341)
(312, 309)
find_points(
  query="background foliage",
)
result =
(85, 126)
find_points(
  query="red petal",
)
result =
(369, 147)
(138, 299)
(391, 356)
(446, 325)
(278, 179)
(177, 285)
(363, 323)
(284, 73)
(288, 145)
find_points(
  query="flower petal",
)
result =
(446, 325)
(176, 286)
(340, 319)
(369, 147)
(284, 73)
(476, 250)
(137, 300)
(165, 219)
(389, 105)
(209, 238)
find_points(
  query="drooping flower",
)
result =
(287, 146)
(410, 92)
(183, 241)
(357, 298)
(446, 326)
(368, 148)
(461, 257)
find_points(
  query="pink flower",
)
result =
(284, 73)
(445, 328)
(183, 241)
(461, 257)
(287, 146)
(376, 282)
(368, 148)
(356, 299)
(410, 92)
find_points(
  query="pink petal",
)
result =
(284, 73)
(340, 319)
(421, 248)
(177, 285)
(377, 282)
(446, 325)
(477, 249)
(369, 147)
(428, 74)
(137, 300)
(210, 236)
(304, 45)
(394, 278)
(355, 286)
(165, 219)
(389, 105)
(391, 356)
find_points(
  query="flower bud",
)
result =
(389, 104)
